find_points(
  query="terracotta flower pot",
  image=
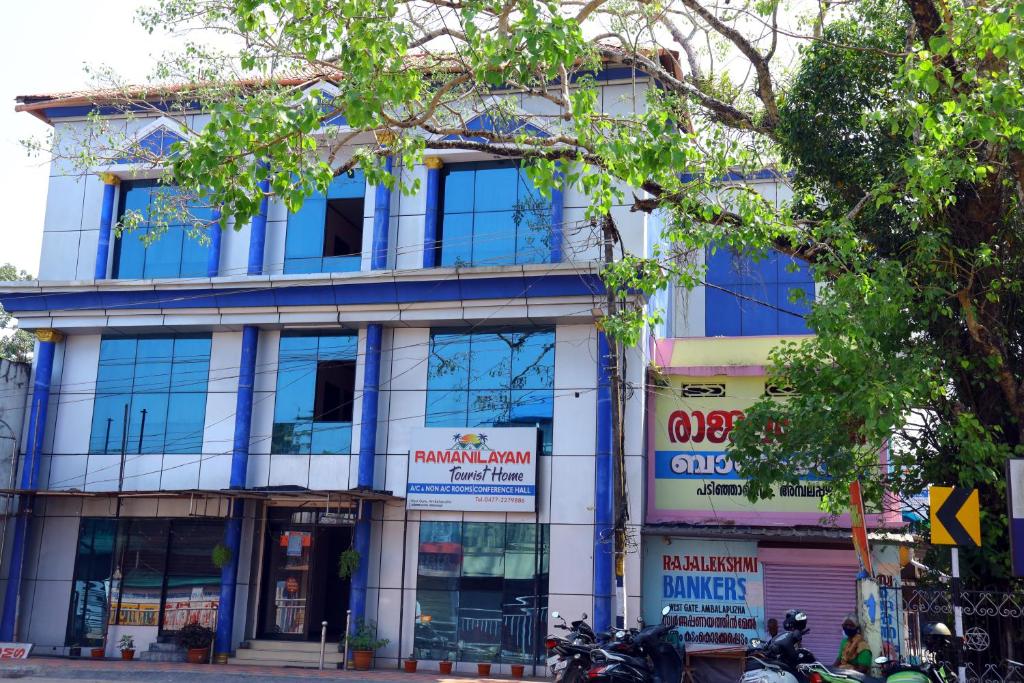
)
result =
(128, 654)
(362, 660)
(483, 668)
(97, 653)
(517, 670)
(445, 666)
(410, 666)
(198, 655)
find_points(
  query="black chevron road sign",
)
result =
(955, 516)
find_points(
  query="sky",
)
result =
(43, 47)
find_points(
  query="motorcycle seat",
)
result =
(855, 675)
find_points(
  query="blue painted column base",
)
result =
(9, 620)
(361, 544)
(228, 583)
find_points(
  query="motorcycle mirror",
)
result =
(584, 617)
(665, 610)
(639, 620)
(555, 615)
(620, 634)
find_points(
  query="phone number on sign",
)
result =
(499, 499)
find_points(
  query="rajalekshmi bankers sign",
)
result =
(483, 469)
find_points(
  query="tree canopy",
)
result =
(15, 344)
(898, 124)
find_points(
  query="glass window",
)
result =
(763, 295)
(142, 560)
(492, 379)
(493, 215)
(161, 382)
(157, 572)
(90, 589)
(192, 592)
(315, 392)
(164, 243)
(481, 591)
(326, 234)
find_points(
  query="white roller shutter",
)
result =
(825, 593)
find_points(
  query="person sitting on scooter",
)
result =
(854, 652)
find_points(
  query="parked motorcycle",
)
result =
(893, 671)
(779, 659)
(569, 656)
(643, 655)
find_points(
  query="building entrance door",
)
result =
(301, 588)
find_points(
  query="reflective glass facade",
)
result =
(492, 215)
(481, 591)
(768, 284)
(492, 379)
(325, 234)
(167, 575)
(162, 380)
(313, 408)
(173, 248)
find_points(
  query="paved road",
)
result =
(52, 670)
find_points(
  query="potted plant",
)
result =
(483, 669)
(363, 643)
(410, 664)
(348, 562)
(75, 650)
(445, 665)
(196, 640)
(517, 670)
(127, 647)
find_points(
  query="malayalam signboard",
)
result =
(691, 476)
(480, 469)
(714, 590)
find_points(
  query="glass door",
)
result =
(287, 586)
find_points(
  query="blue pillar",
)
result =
(367, 453)
(29, 476)
(604, 544)
(557, 215)
(381, 222)
(433, 165)
(213, 256)
(258, 232)
(239, 465)
(110, 182)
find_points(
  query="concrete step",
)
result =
(287, 646)
(165, 647)
(286, 653)
(299, 656)
(161, 656)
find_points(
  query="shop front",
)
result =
(481, 578)
(304, 577)
(730, 569)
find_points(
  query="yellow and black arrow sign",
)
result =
(955, 516)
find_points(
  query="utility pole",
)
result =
(620, 506)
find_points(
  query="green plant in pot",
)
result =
(348, 563)
(220, 556)
(127, 647)
(362, 643)
(196, 640)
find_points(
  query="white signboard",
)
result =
(486, 469)
(15, 650)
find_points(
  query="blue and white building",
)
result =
(214, 423)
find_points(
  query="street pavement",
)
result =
(54, 669)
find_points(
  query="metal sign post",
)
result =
(958, 616)
(323, 643)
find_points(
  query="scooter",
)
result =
(569, 657)
(778, 660)
(892, 672)
(644, 655)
